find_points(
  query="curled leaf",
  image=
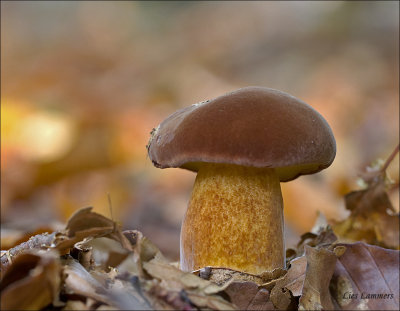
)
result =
(290, 285)
(31, 282)
(324, 236)
(87, 224)
(200, 292)
(101, 287)
(320, 266)
(373, 218)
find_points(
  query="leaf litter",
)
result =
(92, 265)
(373, 218)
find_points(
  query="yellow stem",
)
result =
(234, 220)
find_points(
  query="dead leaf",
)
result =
(78, 281)
(124, 270)
(200, 292)
(261, 301)
(244, 289)
(242, 293)
(82, 225)
(142, 250)
(177, 279)
(101, 287)
(290, 285)
(32, 282)
(366, 277)
(308, 279)
(324, 236)
(106, 252)
(170, 300)
(320, 266)
(248, 296)
(373, 218)
(221, 275)
(211, 302)
(87, 224)
(84, 219)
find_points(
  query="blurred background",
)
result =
(84, 82)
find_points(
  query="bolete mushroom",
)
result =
(242, 145)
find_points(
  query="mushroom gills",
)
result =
(234, 220)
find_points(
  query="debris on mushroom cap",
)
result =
(253, 126)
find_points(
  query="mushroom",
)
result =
(242, 145)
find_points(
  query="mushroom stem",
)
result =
(234, 220)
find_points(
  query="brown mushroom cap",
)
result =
(253, 126)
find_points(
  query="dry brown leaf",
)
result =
(169, 300)
(105, 252)
(211, 302)
(366, 277)
(143, 279)
(221, 275)
(185, 299)
(242, 293)
(324, 236)
(146, 249)
(85, 219)
(373, 218)
(78, 281)
(244, 289)
(143, 250)
(320, 266)
(32, 282)
(289, 286)
(308, 278)
(200, 292)
(248, 296)
(86, 224)
(82, 225)
(101, 287)
(177, 279)
(261, 301)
